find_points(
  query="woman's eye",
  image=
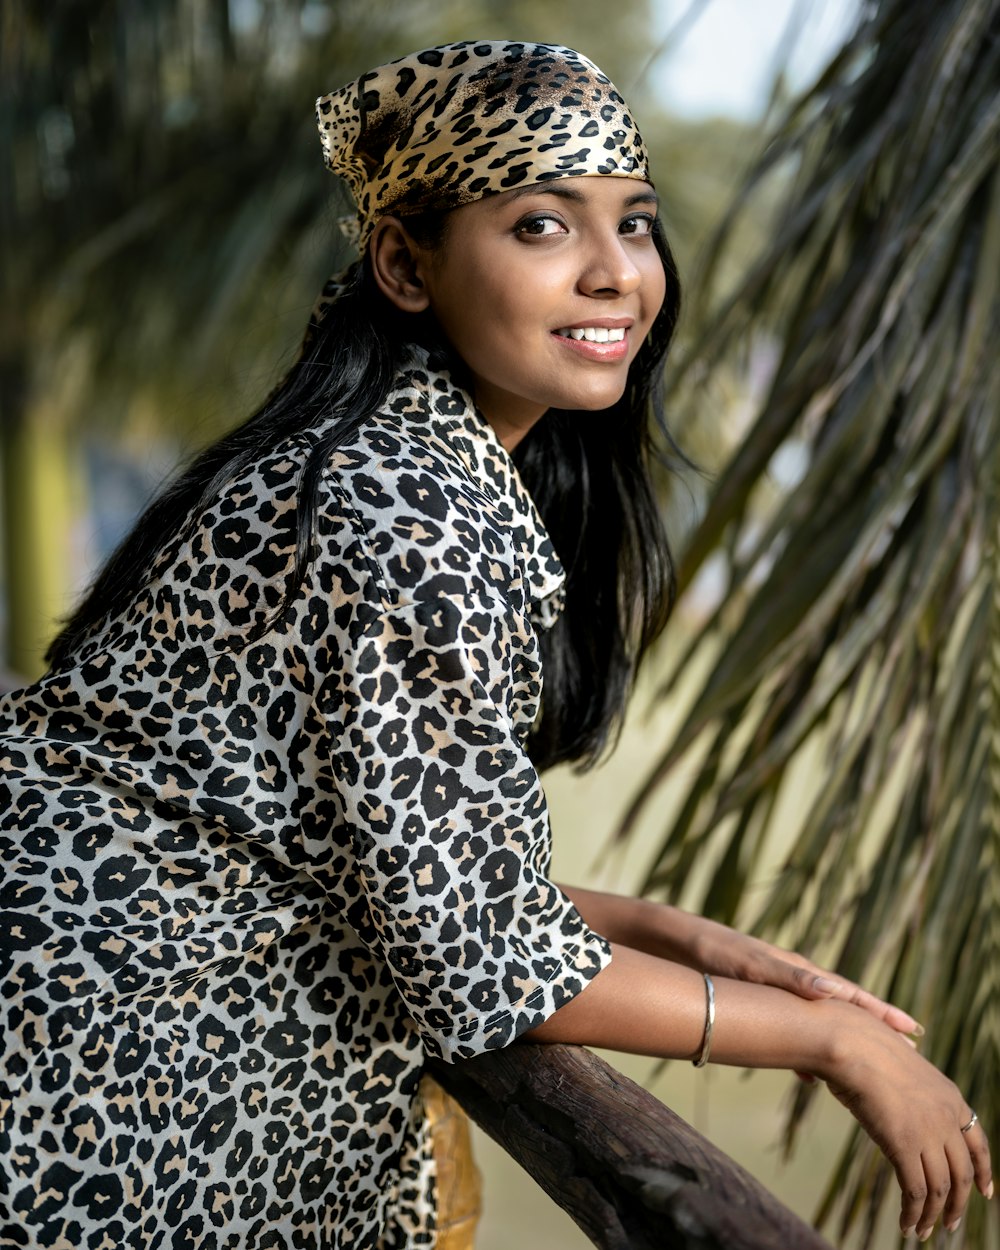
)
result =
(640, 224)
(539, 226)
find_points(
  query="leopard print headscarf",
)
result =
(452, 124)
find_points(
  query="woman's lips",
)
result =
(606, 352)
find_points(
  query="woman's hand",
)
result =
(715, 948)
(914, 1114)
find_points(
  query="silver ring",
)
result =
(966, 1127)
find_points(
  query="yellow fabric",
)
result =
(449, 125)
(459, 1184)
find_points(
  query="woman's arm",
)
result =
(646, 1005)
(669, 933)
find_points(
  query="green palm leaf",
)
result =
(862, 609)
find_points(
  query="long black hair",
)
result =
(588, 473)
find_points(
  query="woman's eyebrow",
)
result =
(564, 192)
(643, 197)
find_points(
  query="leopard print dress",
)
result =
(254, 871)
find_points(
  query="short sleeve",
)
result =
(450, 828)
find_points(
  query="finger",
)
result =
(895, 1017)
(806, 1078)
(913, 1186)
(979, 1152)
(938, 1181)
(962, 1175)
(900, 1020)
(810, 981)
(793, 957)
(806, 981)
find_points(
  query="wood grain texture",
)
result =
(631, 1173)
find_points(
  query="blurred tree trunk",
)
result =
(12, 387)
(39, 493)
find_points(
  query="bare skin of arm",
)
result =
(643, 1003)
(665, 931)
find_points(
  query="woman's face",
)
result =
(547, 293)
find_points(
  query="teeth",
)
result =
(594, 334)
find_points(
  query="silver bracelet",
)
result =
(706, 1041)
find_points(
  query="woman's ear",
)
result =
(396, 263)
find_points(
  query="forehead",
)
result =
(586, 190)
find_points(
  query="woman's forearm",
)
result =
(697, 942)
(643, 925)
(645, 1005)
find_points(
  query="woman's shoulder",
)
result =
(423, 428)
(412, 479)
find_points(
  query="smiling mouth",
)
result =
(605, 345)
(593, 334)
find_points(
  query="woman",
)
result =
(273, 829)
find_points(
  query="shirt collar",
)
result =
(461, 426)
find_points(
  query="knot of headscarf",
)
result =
(452, 124)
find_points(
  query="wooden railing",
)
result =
(632, 1174)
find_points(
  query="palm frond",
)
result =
(862, 609)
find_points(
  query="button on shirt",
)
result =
(257, 866)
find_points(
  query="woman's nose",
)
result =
(609, 269)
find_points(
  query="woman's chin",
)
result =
(595, 399)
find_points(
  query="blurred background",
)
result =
(166, 224)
